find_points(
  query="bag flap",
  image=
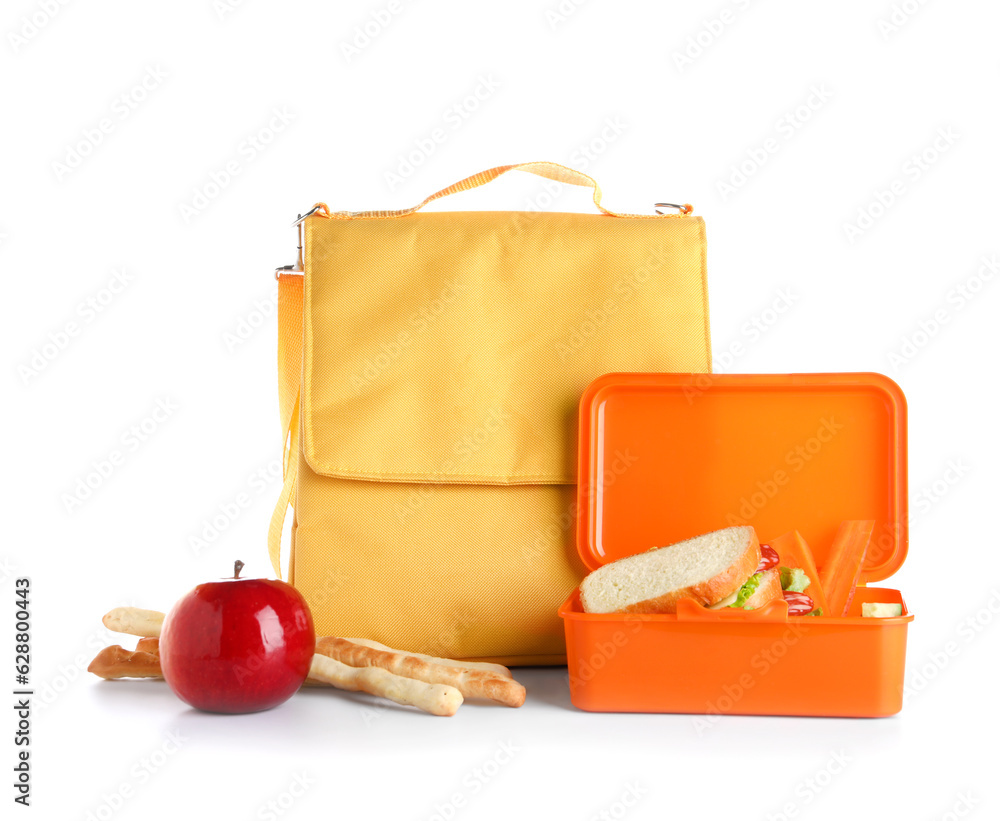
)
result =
(454, 346)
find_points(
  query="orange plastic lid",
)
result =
(665, 457)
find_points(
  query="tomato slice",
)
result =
(768, 558)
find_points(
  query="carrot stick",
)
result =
(842, 569)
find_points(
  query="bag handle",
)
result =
(549, 170)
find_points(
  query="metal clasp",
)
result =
(682, 209)
(319, 206)
(299, 267)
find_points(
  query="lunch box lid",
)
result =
(664, 457)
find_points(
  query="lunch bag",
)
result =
(430, 368)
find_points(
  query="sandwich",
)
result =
(726, 568)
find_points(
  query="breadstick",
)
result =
(134, 621)
(150, 645)
(436, 699)
(117, 662)
(496, 669)
(470, 683)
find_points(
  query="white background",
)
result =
(605, 87)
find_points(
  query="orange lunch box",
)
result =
(665, 457)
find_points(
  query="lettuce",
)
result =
(794, 580)
(748, 589)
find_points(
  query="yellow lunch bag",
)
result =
(430, 366)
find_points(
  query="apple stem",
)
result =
(237, 568)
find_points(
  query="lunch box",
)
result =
(665, 457)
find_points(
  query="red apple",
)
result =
(237, 645)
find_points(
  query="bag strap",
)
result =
(290, 301)
(549, 170)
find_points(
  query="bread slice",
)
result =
(706, 568)
(768, 590)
